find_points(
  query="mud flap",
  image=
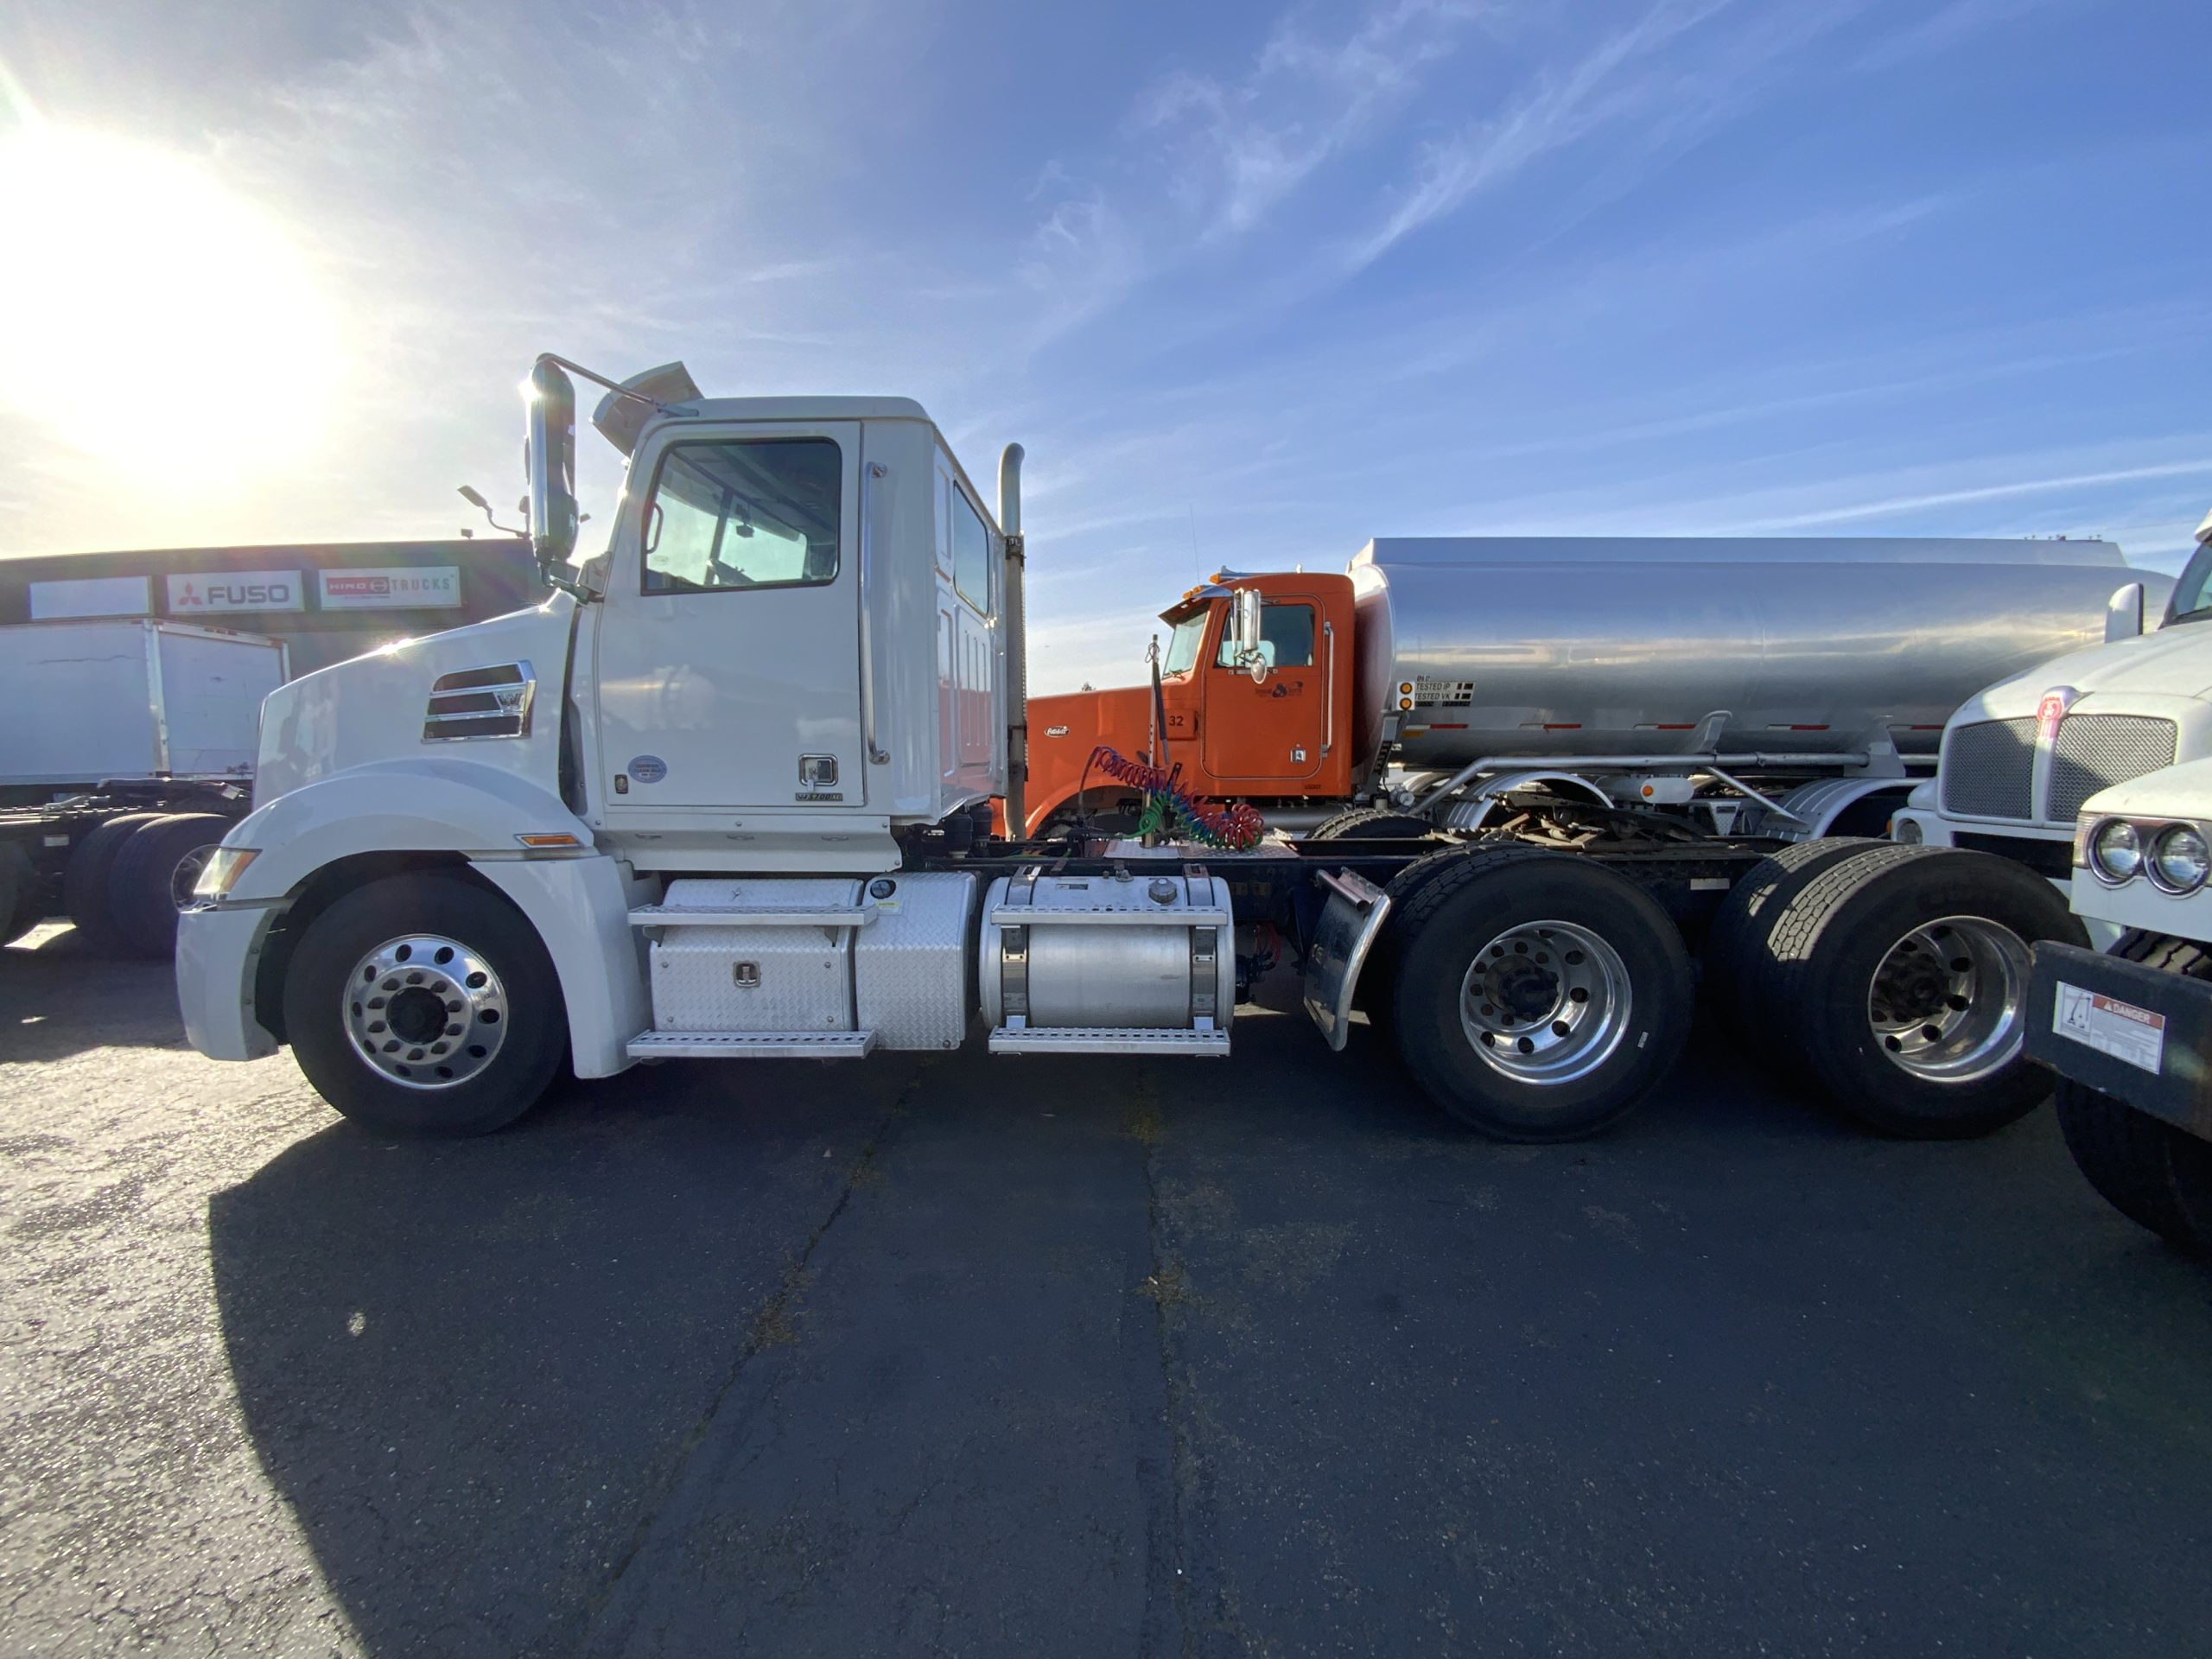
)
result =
(1350, 922)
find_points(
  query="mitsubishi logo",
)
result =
(2052, 709)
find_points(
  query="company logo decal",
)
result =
(235, 590)
(2052, 709)
(648, 768)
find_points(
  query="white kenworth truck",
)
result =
(2129, 1031)
(727, 794)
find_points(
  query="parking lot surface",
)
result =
(1062, 1356)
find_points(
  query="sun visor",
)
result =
(620, 419)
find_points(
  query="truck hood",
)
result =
(375, 707)
(2177, 792)
(2174, 662)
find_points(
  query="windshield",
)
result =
(2191, 602)
(1183, 648)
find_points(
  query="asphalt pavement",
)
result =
(1062, 1356)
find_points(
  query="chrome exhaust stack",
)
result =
(1017, 646)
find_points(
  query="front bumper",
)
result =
(2141, 1036)
(218, 955)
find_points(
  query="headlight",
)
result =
(2116, 851)
(2179, 859)
(221, 871)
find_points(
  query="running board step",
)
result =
(1107, 1039)
(751, 1045)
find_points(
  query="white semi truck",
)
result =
(2129, 1030)
(727, 795)
(127, 753)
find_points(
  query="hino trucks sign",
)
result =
(397, 588)
(236, 590)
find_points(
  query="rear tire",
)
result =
(425, 971)
(1897, 984)
(85, 881)
(159, 858)
(1372, 823)
(1540, 997)
(1735, 948)
(21, 905)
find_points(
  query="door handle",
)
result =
(1329, 691)
(877, 756)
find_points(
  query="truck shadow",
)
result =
(57, 998)
(470, 1368)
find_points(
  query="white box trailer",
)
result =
(93, 703)
(128, 752)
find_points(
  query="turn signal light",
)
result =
(221, 871)
(549, 841)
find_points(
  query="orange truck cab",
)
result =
(1287, 737)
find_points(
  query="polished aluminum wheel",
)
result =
(1546, 1003)
(426, 1012)
(1947, 999)
(186, 876)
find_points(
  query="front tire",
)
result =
(424, 1004)
(1539, 998)
(2152, 1174)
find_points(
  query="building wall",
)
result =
(327, 601)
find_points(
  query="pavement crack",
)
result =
(771, 1325)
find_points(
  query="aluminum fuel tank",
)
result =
(1540, 645)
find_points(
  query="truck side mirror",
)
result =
(552, 461)
(1244, 635)
(2123, 613)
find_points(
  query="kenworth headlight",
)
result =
(2115, 851)
(2180, 861)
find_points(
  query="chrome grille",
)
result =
(491, 702)
(2093, 752)
(1988, 769)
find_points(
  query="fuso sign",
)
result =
(236, 590)
(396, 587)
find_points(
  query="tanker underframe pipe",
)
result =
(1715, 763)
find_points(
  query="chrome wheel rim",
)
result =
(186, 876)
(426, 1012)
(1545, 1002)
(1947, 998)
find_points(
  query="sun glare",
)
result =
(154, 317)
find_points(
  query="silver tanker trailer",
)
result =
(1784, 686)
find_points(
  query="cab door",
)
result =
(1267, 738)
(728, 652)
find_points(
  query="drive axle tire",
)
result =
(2151, 1172)
(20, 902)
(85, 880)
(1735, 954)
(154, 874)
(425, 1005)
(1539, 998)
(1372, 823)
(1897, 982)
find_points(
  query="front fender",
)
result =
(427, 805)
(578, 903)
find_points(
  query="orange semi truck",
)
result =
(1792, 686)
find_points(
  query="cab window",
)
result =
(1286, 637)
(757, 512)
(1183, 644)
(972, 554)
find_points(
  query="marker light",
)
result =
(221, 871)
(2116, 851)
(2179, 859)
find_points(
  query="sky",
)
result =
(1252, 283)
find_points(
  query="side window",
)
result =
(1286, 637)
(755, 512)
(972, 554)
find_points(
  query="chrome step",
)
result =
(751, 1045)
(1106, 1039)
(769, 916)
